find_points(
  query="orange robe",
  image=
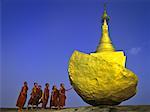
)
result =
(62, 97)
(22, 97)
(45, 97)
(54, 98)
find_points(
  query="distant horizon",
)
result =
(39, 36)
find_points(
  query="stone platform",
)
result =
(127, 108)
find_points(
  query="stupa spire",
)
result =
(105, 42)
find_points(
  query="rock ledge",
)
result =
(127, 108)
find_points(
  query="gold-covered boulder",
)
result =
(101, 78)
(99, 82)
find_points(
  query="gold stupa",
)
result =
(101, 78)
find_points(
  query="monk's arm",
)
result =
(69, 89)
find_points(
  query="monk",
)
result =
(38, 96)
(62, 96)
(22, 97)
(45, 96)
(32, 100)
(54, 97)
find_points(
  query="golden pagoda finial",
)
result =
(105, 42)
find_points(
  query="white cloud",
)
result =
(135, 50)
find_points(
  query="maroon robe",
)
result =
(45, 97)
(22, 97)
(54, 98)
(62, 97)
(32, 100)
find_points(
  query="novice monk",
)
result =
(62, 96)
(22, 97)
(54, 97)
(45, 96)
(32, 100)
(37, 97)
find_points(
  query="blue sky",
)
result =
(39, 36)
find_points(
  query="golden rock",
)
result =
(101, 78)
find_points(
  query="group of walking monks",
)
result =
(57, 98)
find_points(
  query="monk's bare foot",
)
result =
(19, 110)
